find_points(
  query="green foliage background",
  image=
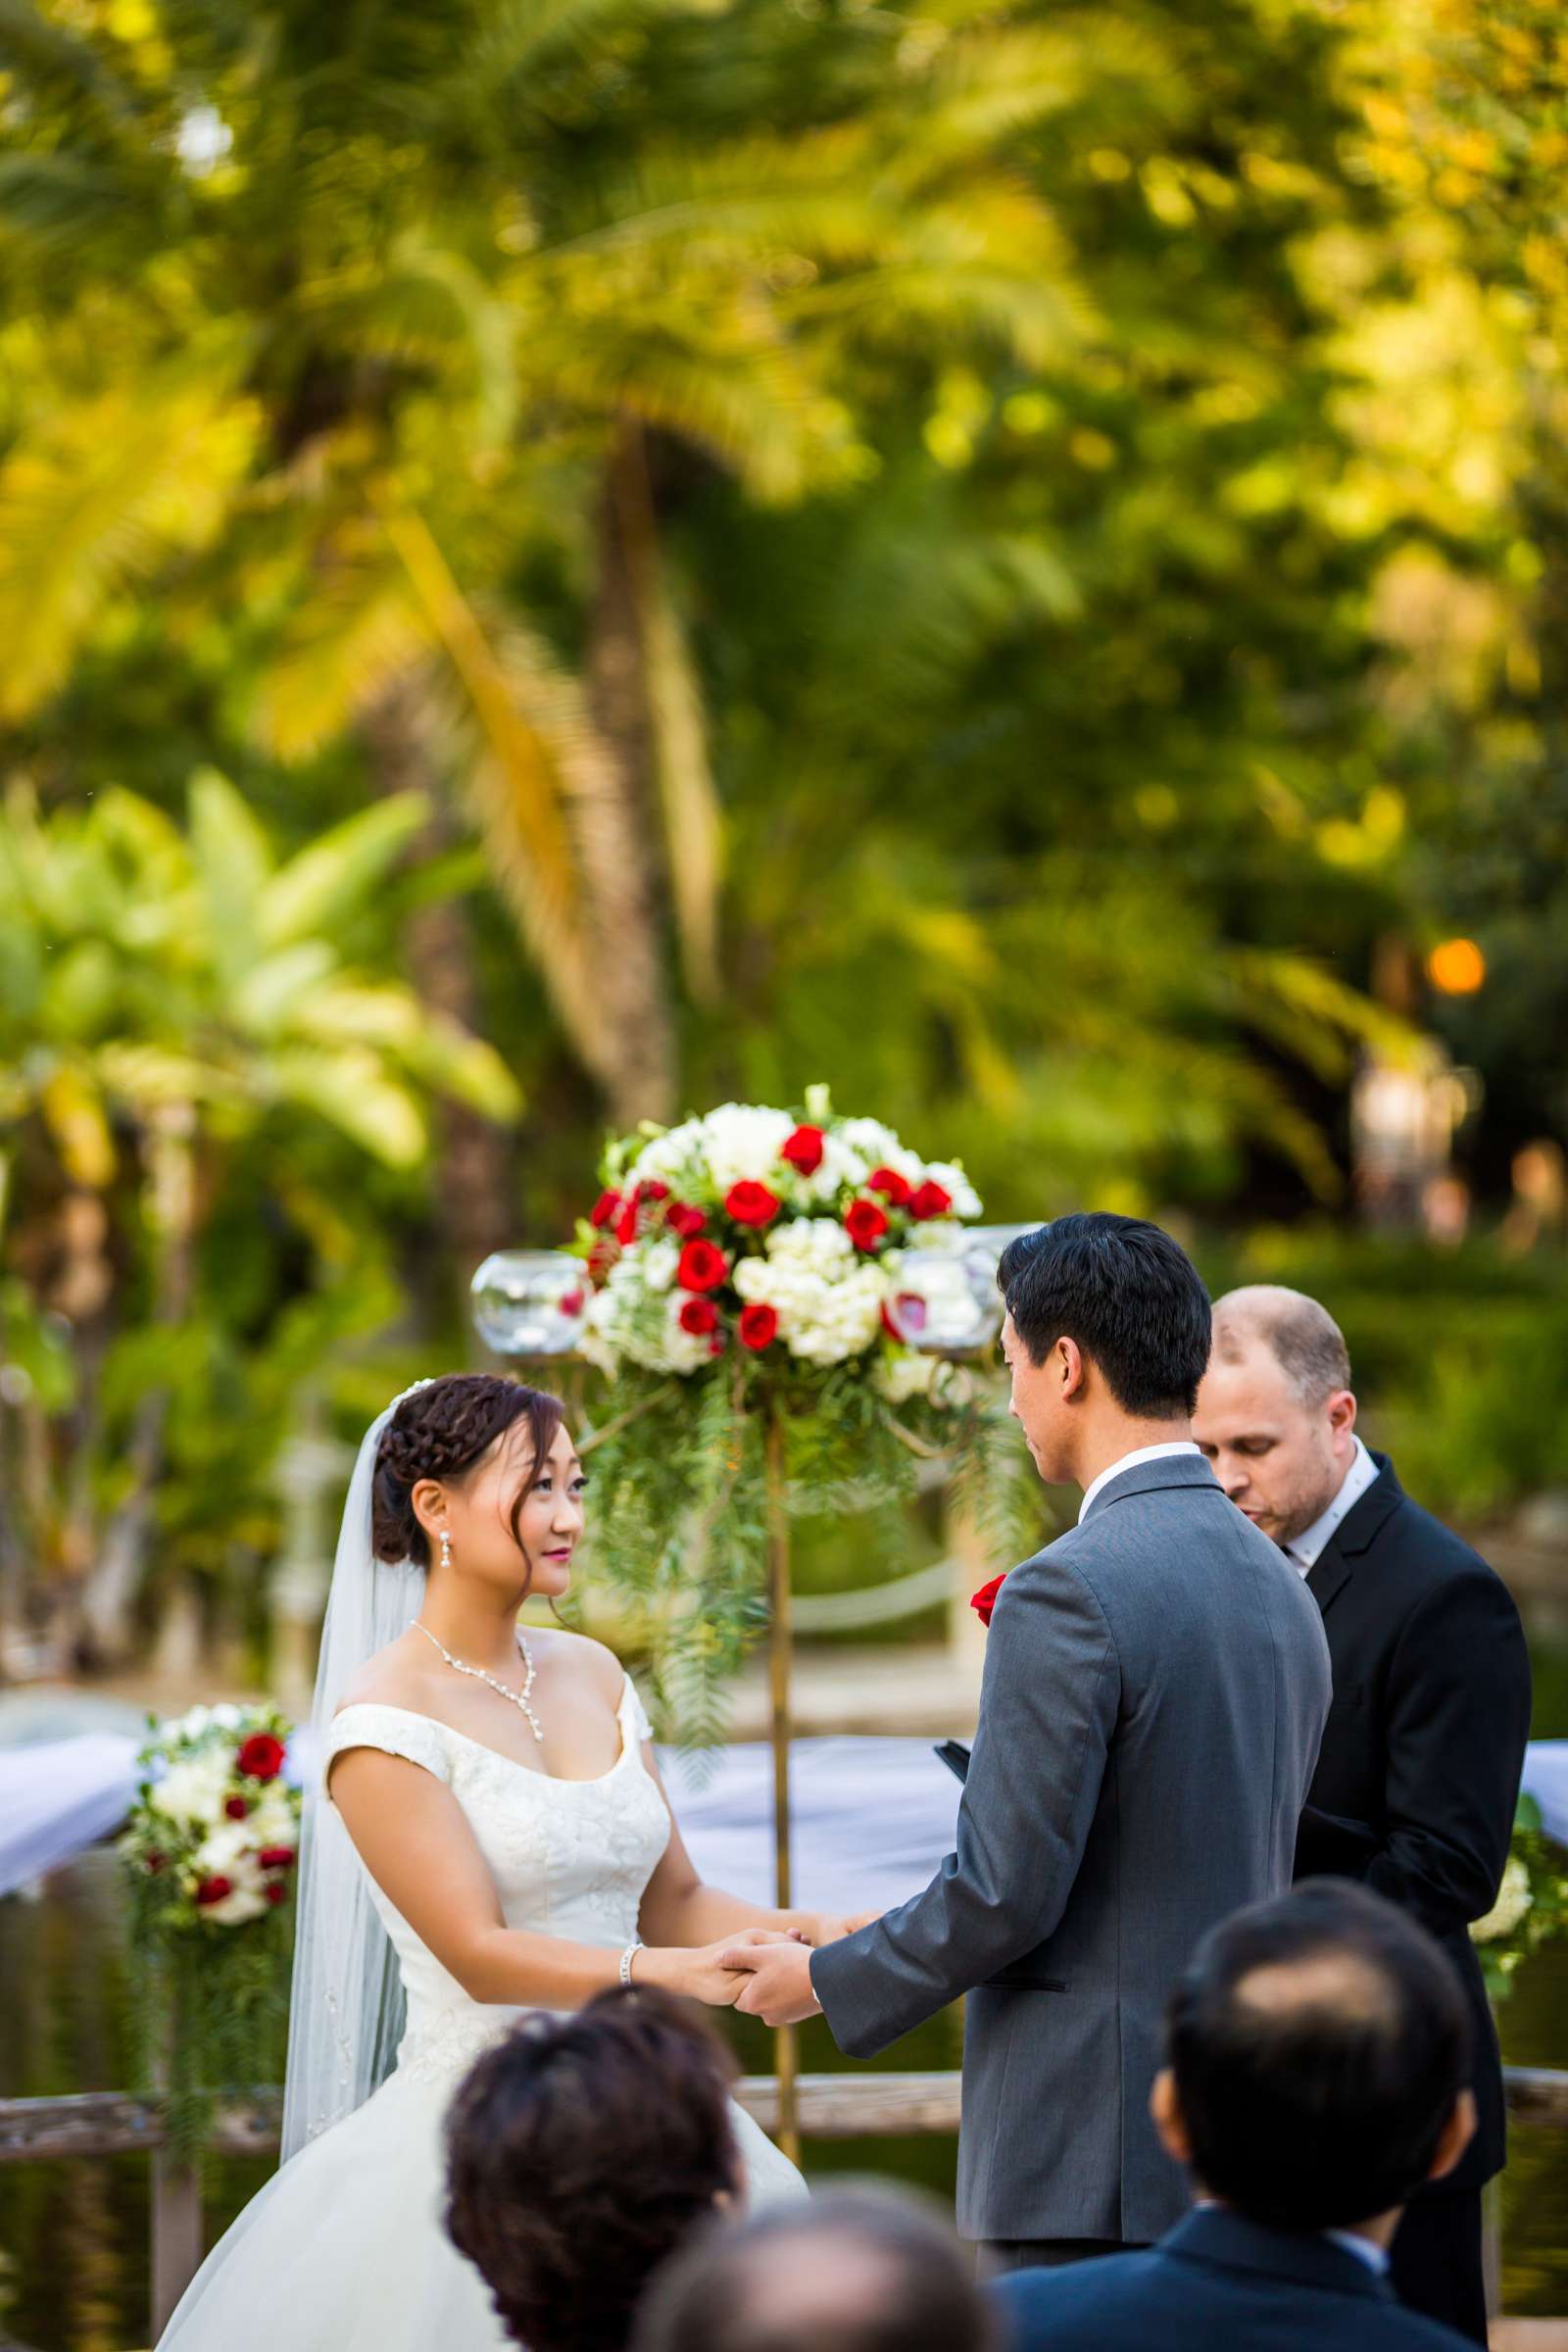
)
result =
(1010, 559)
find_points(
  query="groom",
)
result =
(1156, 1684)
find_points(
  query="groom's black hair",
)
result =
(1129, 1296)
(1319, 2042)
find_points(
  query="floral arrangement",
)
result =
(1531, 1905)
(210, 1849)
(740, 1268)
(756, 1230)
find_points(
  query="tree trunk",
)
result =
(614, 820)
(474, 1204)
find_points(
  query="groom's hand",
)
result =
(779, 1987)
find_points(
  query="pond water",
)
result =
(74, 2236)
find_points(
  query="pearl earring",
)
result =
(446, 1550)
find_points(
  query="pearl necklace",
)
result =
(519, 1698)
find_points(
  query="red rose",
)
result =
(751, 1204)
(626, 1222)
(275, 1857)
(683, 1219)
(605, 1210)
(894, 1187)
(866, 1222)
(759, 1326)
(275, 1890)
(702, 1266)
(570, 1303)
(929, 1201)
(985, 1600)
(212, 1891)
(715, 1346)
(699, 1315)
(652, 1189)
(261, 1757)
(804, 1150)
(236, 1807)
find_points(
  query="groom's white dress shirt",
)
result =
(1130, 1461)
(1304, 1549)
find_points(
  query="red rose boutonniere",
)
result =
(985, 1600)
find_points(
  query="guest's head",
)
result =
(1275, 1414)
(581, 2151)
(857, 2270)
(1108, 1323)
(1319, 2053)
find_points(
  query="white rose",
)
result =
(596, 1349)
(228, 1851)
(227, 1717)
(191, 1791)
(742, 1143)
(670, 1156)
(901, 1374)
(660, 1261)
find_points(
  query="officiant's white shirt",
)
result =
(1130, 1461)
(1304, 1549)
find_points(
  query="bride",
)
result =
(487, 1835)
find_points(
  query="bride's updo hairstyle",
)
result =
(443, 1430)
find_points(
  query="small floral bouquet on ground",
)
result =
(210, 1850)
(1531, 1905)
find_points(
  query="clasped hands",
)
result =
(770, 1968)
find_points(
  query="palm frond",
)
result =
(533, 736)
(98, 496)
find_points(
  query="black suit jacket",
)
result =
(1418, 1774)
(1214, 2283)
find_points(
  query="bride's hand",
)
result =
(826, 1927)
(695, 1971)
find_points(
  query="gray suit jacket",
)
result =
(1156, 1681)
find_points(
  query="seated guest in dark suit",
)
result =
(581, 2152)
(1317, 2075)
(861, 2270)
(1418, 1774)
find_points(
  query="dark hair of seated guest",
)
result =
(580, 2152)
(1320, 2044)
(851, 2270)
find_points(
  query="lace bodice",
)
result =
(569, 1858)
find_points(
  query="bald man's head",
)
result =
(851, 2270)
(1301, 1337)
(1276, 1416)
(1319, 2050)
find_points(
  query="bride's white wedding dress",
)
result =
(344, 2249)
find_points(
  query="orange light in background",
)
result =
(1457, 967)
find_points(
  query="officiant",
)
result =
(1418, 1775)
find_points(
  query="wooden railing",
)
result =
(108, 2122)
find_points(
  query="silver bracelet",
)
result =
(626, 1959)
